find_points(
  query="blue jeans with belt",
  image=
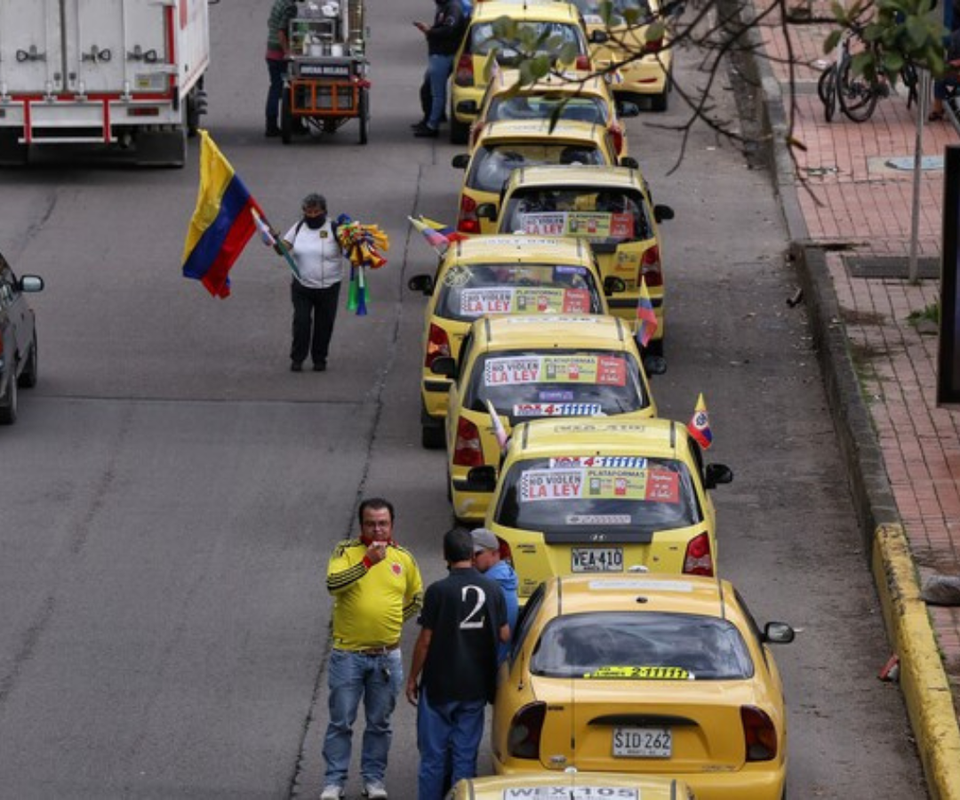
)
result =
(377, 680)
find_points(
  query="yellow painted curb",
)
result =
(923, 680)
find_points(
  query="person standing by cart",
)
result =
(443, 41)
(315, 292)
(278, 50)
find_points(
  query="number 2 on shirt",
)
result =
(475, 618)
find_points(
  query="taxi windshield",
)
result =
(555, 383)
(492, 164)
(590, 9)
(550, 37)
(539, 106)
(602, 216)
(470, 291)
(649, 646)
(573, 495)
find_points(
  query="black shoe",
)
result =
(426, 132)
(421, 124)
(296, 366)
(320, 366)
(272, 133)
(443, 118)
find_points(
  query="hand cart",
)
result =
(326, 83)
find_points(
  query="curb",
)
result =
(923, 680)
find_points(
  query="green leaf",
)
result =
(568, 53)
(893, 62)
(606, 12)
(916, 31)
(540, 64)
(655, 31)
(831, 42)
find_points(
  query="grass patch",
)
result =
(929, 313)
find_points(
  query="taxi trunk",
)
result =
(646, 726)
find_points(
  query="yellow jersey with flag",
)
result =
(371, 602)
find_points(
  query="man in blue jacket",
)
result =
(486, 558)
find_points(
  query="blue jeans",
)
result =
(376, 679)
(438, 73)
(277, 70)
(448, 736)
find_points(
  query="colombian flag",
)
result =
(222, 223)
(646, 316)
(699, 424)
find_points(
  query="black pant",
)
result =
(316, 308)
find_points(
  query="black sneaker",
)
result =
(320, 366)
(426, 132)
(421, 124)
(296, 366)
(272, 133)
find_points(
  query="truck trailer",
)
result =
(125, 76)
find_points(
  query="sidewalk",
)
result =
(849, 215)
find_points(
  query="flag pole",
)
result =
(281, 245)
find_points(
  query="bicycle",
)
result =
(854, 93)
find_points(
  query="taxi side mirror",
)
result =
(467, 107)
(599, 37)
(487, 211)
(629, 161)
(460, 161)
(660, 213)
(612, 285)
(31, 283)
(654, 365)
(445, 366)
(482, 479)
(778, 633)
(625, 110)
(714, 474)
(421, 283)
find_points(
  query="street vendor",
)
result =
(278, 50)
(315, 290)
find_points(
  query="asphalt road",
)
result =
(171, 492)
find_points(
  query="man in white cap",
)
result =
(486, 559)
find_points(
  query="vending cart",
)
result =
(326, 84)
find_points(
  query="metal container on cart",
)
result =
(326, 83)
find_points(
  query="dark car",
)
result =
(18, 339)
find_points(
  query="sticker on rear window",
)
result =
(596, 370)
(568, 792)
(524, 300)
(599, 483)
(597, 519)
(557, 410)
(631, 462)
(598, 224)
(555, 395)
(561, 270)
(641, 673)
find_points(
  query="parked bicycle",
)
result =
(855, 94)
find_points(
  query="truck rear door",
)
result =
(31, 47)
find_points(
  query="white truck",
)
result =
(123, 75)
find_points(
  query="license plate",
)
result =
(596, 559)
(642, 743)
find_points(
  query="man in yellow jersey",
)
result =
(377, 587)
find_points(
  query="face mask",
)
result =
(314, 223)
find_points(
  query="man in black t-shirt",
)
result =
(464, 618)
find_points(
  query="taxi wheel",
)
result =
(432, 437)
(459, 131)
(8, 403)
(655, 348)
(28, 378)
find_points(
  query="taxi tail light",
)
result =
(467, 449)
(464, 72)
(650, 267)
(469, 222)
(523, 738)
(616, 135)
(759, 734)
(698, 559)
(438, 344)
(583, 63)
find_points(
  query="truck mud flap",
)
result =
(161, 148)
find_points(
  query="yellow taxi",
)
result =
(555, 26)
(571, 785)
(505, 146)
(498, 275)
(529, 367)
(611, 208)
(645, 675)
(570, 95)
(602, 496)
(623, 40)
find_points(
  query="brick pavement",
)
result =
(851, 198)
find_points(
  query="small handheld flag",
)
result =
(699, 424)
(646, 316)
(498, 430)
